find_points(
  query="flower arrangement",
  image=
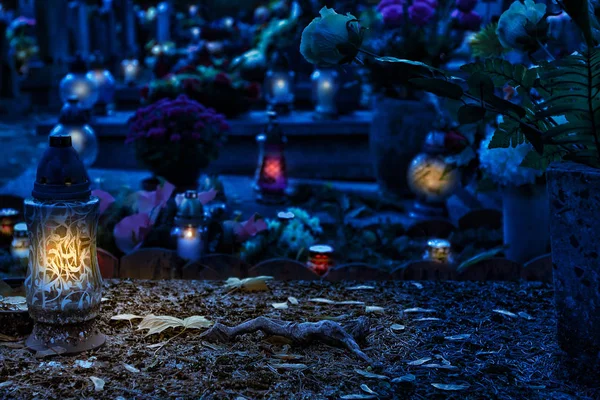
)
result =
(176, 138)
(284, 239)
(22, 42)
(429, 31)
(229, 94)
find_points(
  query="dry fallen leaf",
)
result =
(461, 336)
(280, 306)
(321, 300)
(158, 323)
(368, 389)
(254, 284)
(361, 287)
(358, 396)
(84, 364)
(439, 366)
(98, 383)
(417, 285)
(5, 384)
(397, 327)
(420, 361)
(131, 368)
(290, 367)
(374, 309)
(288, 357)
(125, 317)
(14, 300)
(427, 319)
(506, 313)
(338, 303)
(405, 378)
(419, 310)
(444, 386)
(526, 316)
(368, 374)
(293, 301)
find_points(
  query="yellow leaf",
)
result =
(98, 383)
(420, 361)
(255, 284)
(368, 374)
(291, 367)
(280, 306)
(196, 322)
(397, 327)
(293, 300)
(374, 309)
(444, 386)
(125, 317)
(158, 323)
(131, 368)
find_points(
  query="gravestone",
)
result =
(9, 88)
(104, 33)
(79, 28)
(126, 28)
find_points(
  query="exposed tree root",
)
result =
(329, 332)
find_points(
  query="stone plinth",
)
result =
(574, 192)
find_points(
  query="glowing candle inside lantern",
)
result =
(19, 247)
(325, 89)
(189, 245)
(193, 10)
(320, 258)
(196, 33)
(131, 69)
(438, 250)
(8, 219)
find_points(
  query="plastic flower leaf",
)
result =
(245, 230)
(131, 231)
(105, 199)
(255, 284)
(331, 39)
(150, 201)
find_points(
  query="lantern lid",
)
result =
(20, 230)
(273, 131)
(72, 113)
(97, 61)
(191, 210)
(60, 173)
(78, 65)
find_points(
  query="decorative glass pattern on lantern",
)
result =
(325, 88)
(131, 70)
(279, 84)
(320, 258)
(272, 177)
(438, 250)
(19, 248)
(104, 81)
(73, 122)
(189, 229)
(77, 83)
(8, 219)
(431, 178)
(63, 282)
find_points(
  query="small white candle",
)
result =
(281, 90)
(196, 33)
(130, 70)
(189, 245)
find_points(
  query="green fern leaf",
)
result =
(486, 44)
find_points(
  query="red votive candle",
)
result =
(320, 258)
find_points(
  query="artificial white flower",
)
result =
(503, 165)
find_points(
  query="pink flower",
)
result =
(204, 197)
(393, 15)
(105, 199)
(420, 13)
(245, 230)
(149, 202)
(385, 3)
(131, 231)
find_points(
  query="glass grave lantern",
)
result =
(8, 218)
(431, 179)
(326, 85)
(19, 248)
(63, 283)
(131, 71)
(189, 231)
(73, 122)
(438, 250)
(77, 83)
(271, 179)
(279, 85)
(320, 258)
(105, 82)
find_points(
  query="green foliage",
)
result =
(582, 13)
(486, 43)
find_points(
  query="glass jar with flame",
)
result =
(279, 84)
(77, 83)
(271, 178)
(63, 281)
(189, 231)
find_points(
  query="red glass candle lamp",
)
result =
(320, 258)
(272, 180)
(8, 218)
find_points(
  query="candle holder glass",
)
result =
(325, 88)
(131, 71)
(279, 85)
(8, 218)
(77, 83)
(63, 281)
(438, 250)
(272, 181)
(320, 258)
(19, 248)
(106, 85)
(188, 233)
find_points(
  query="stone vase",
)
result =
(526, 220)
(397, 133)
(574, 193)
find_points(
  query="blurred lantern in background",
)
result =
(63, 281)
(279, 84)
(431, 178)
(131, 71)
(77, 83)
(73, 122)
(189, 230)
(320, 258)
(325, 88)
(19, 248)
(105, 82)
(8, 218)
(438, 250)
(272, 180)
